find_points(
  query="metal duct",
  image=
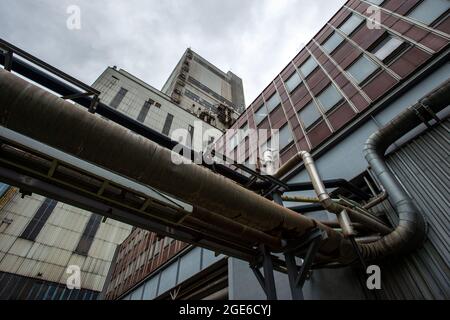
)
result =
(411, 230)
(42, 116)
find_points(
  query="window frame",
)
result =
(393, 55)
(334, 33)
(275, 107)
(357, 28)
(255, 114)
(295, 73)
(310, 58)
(432, 23)
(325, 110)
(291, 141)
(368, 77)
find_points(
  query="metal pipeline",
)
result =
(220, 224)
(40, 115)
(411, 230)
(322, 194)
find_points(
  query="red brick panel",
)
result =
(379, 85)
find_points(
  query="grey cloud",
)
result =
(253, 38)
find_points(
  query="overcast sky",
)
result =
(253, 38)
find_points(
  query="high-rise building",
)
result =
(201, 88)
(351, 79)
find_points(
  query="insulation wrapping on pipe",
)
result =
(411, 230)
(42, 116)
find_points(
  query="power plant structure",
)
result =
(361, 122)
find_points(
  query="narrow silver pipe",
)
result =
(379, 199)
(334, 207)
(316, 180)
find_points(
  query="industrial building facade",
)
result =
(350, 80)
(41, 238)
(201, 88)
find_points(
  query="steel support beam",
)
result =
(267, 281)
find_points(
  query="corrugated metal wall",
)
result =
(423, 167)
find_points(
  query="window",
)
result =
(87, 238)
(351, 24)
(167, 124)
(362, 69)
(329, 97)
(260, 115)
(273, 102)
(333, 42)
(144, 111)
(309, 115)
(285, 136)
(308, 67)
(3, 189)
(118, 98)
(233, 142)
(388, 48)
(38, 221)
(376, 2)
(429, 11)
(244, 132)
(293, 82)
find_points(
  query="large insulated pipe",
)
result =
(411, 230)
(42, 116)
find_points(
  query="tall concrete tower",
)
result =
(201, 88)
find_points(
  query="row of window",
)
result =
(120, 95)
(209, 91)
(153, 252)
(426, 12)
(385, 50)
(41, 216)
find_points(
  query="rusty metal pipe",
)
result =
(411, 230)
(237, 230)
(40, 115)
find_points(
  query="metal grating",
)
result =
(423, 167)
